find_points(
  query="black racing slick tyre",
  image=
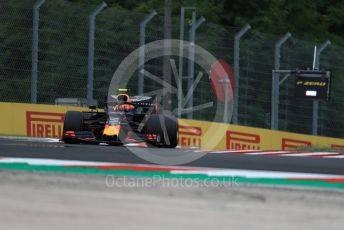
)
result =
(166, 127)
(72, 122)
(171, 124)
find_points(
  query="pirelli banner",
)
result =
(33, 120)
(210, 135)
(47, 121)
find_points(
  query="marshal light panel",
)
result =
(313, 84)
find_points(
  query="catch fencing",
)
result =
(48, 51)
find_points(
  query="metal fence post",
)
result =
(181, 56)
(191, 66)
(315, 116)
(236, 70)
(180, 64)
(226, 83)
(91, 34)
(35, 41)
(275, 81)
(143, 24)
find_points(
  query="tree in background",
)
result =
(314, 20)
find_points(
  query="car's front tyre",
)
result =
(165, 127)
(73, 121)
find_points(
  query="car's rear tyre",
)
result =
(72, 122)
(166, 127)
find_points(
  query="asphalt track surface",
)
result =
(120, 154)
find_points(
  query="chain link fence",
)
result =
(63, 63)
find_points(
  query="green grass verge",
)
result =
(211, 181)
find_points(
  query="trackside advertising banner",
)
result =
(47, 121)
(33, 120)
(211, 135)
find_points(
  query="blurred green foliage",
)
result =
(315, 20)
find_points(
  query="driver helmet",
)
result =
(121, 101)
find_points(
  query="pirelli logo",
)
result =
(189, 136)
(337, 146)
(242, 141)
(42, 124)
(293, 144)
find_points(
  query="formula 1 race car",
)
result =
(125, 119)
